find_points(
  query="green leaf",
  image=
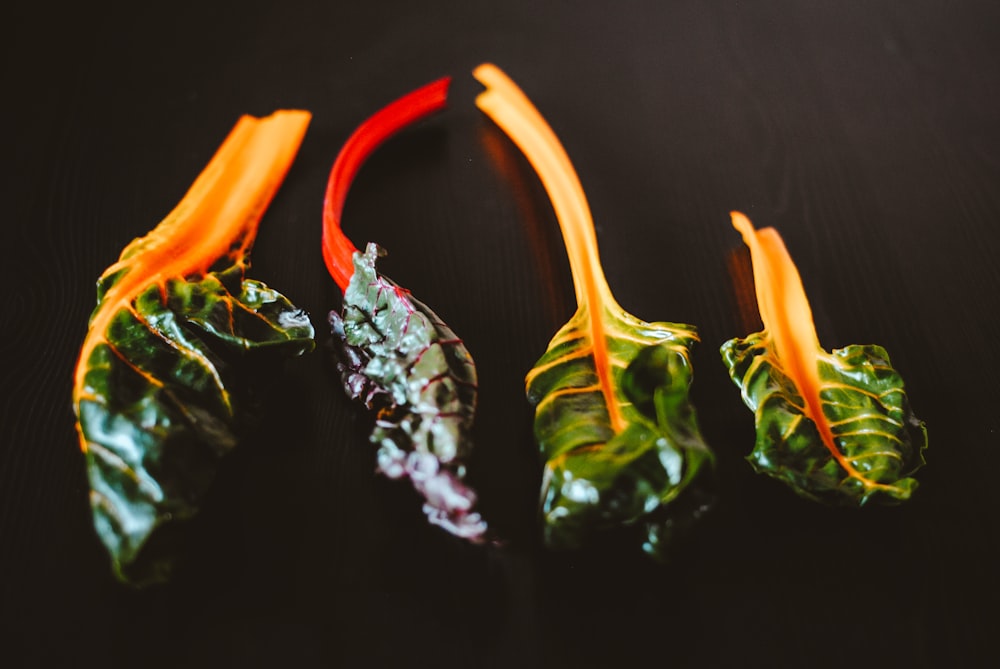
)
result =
(166, 393)
(863, 401)
(397, 357)
(622, 464)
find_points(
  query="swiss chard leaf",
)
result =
(171, 370)
(398, 358)
(613, 419)
(836, 427)
(394, 354)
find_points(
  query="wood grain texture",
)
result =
(864, 131)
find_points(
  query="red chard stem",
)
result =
(338, 251)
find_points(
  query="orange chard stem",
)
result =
(217, 217)
(514, 113)
(338, 251)
(788, 320)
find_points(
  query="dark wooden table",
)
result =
(866, 132)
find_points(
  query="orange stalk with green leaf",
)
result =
(836, 427)
(170, 371)
(613, 420)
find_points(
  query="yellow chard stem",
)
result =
(511, 110)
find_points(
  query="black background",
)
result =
(866, 132)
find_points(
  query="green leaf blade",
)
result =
(863, 400)
(597, 478)
(166, 393)
(400, 359)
